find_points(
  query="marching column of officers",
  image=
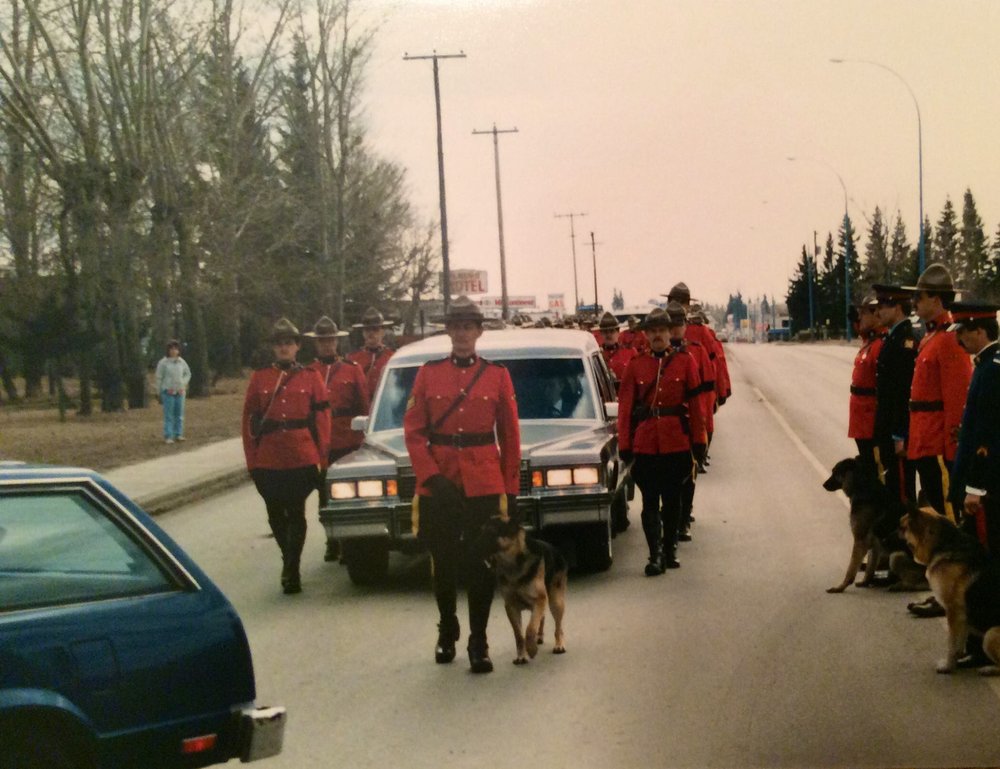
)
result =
(297, 421)
(921, 411)
(462, 434)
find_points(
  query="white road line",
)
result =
(823, 472)
(994, 683)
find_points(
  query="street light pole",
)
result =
(504, 301)
(572, 238)
(445, 267)
(847, 251)
(920, 146)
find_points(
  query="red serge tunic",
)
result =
(706, 394)
(669, 387)
(941, 379)
(286, 441)
(371, 362)
(861, 408)
(617, 358)
(493, 466)
(347, 391)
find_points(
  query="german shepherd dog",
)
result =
(530, 574)
(874, 518)
(965, 580)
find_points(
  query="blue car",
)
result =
(115, 649)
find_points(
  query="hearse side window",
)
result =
(551, 388)
(61, 547)
(395, 392)
(605, 385)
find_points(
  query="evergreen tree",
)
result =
(991, 275)
(930, 253)
(902, 264)
(830, 287)
(946, 243)
(876, 268)
(797, 298)
(972, 246)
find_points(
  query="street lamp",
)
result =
(847, 252)
(920, 145)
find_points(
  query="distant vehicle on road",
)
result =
(573, 483)
(779, 334)
(116, 650)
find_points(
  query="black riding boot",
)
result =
(652, 529)
(291, 580)
(479, 655)
(448, 633)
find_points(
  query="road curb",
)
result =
(198, 490)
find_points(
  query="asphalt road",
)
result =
(738, 659)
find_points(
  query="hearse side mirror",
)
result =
(611, 409)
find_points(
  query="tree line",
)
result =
(961, 245)
(168, 170)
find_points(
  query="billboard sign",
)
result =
(523, 302)
(467, 282)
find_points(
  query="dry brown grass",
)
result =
(31, 431)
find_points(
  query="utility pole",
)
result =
(446, 270)
(593, 251)
(572, 237)
(505, 308)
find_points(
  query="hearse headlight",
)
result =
(572, 476)
(370, 488)
(561, 477)
(343, 490)
(586, 476)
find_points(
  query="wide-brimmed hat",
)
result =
(373, 319)
(325, 328)
(676, 313)
(964, 312)
(885, 292)
(462, 309)
(935, 280)
(696, 314)
(660, 318)
(680, 292)
(283, 328)
(608, 322)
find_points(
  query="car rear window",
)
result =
(546, 388)
(62, 547)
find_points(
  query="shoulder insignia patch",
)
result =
(410, 402)
(908, 344)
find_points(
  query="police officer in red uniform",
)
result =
(347, 392)
(615, 355)
(941, 378)
(286, 434)
(717, 354)
(462, 435)
(660, 423)
(705, 400)
(861, 406)
(373, 356)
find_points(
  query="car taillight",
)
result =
(198, 744)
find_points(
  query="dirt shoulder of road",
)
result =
(32, 431)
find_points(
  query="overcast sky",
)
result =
(669, 123)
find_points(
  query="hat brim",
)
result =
(338, 335)
(383, 324)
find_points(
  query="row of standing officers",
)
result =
(921, 410)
